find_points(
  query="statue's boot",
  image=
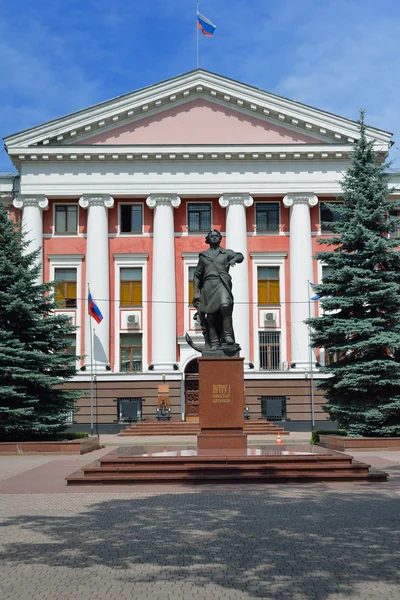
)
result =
(227, 326)
(212, 333)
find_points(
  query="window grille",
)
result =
(129, 409)
(131, 352)
(273, 408)
(199, 217)
(270, 354)
(131, 218)
(267, 216)
(69, 418)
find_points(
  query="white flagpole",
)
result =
(197, 36)
(91, 371)
(311, 360)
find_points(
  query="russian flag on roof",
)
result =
(206, 27)
(94, 310)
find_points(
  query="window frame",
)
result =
(269, 259)
(65, 282)
(130, 261)
(65, 233)
(132, 304)
(270, 303)
(119, 411)
(267, 231)
(71, 261)
(200, 231)
(130, 346)
(264, 413)
(190, 259)
(278, 335)
(130, 233)
(321, 202)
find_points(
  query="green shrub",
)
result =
(74, 435)
(317, 432)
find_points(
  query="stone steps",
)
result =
(223, 469)
(154, 428)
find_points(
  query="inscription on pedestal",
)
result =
(221, 393)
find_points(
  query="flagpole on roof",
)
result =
(310, 354)
(197, 36)
(91, 369)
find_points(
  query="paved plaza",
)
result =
(319, 541)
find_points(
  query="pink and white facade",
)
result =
(135, 181)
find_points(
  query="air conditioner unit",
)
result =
(133, 320)
(269, 316)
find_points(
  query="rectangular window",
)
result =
(273, 408)
(71, 348)
(131, 352)
(199, 217)
(129, 410)
(69, 418)
(65, 290)
(394, 229)
(131, 286)
(326, 272)
(66, 218)
(328, 216)
(267, 216)
(131, 218)
(268, 285)
(191, 287)
(270, 352)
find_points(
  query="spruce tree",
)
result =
(32, 341)
(360, 297)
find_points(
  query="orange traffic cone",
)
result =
(278, 439)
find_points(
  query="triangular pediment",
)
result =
(200, 121)
(196, 108)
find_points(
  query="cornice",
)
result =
(161, 96)
(161, 154)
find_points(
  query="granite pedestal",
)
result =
(221, 404)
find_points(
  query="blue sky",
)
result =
(58, 56)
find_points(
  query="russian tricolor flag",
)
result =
(206, 27)
(94, 310)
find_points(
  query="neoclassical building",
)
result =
(120, 196)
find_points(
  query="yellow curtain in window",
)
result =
(131, 293)
(274, 292)
(136, 293)
(268, 292)
(262, 292)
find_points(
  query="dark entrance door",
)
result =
(192, 391)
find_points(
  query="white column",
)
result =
(163, 282)
(32, 224)
(236, 239)
(98, 278)
(301, 272)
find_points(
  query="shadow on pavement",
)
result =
(313, 541)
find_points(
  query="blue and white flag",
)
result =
(206, 27)
(313, 286)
